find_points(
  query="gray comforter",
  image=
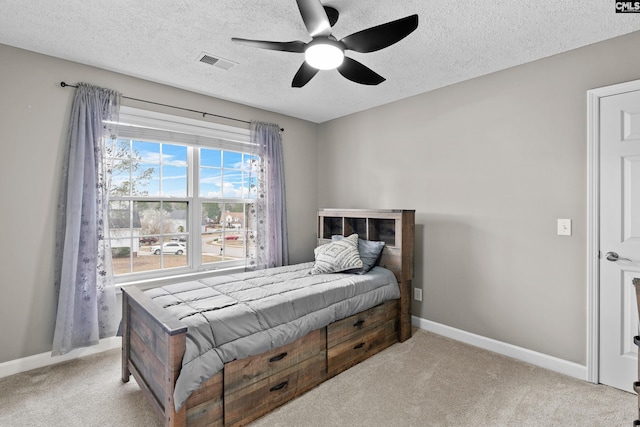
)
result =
(240, 315)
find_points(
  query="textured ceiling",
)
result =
(161, 42)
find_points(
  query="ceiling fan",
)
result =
(325, 52)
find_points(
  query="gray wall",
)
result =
(488, 165)
(34, 112)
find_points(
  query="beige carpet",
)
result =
(426, 381)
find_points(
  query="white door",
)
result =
(619, 237)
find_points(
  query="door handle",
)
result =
(612, 256)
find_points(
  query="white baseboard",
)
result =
(519, 353)
(45, 359)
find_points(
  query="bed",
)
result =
(255, 363)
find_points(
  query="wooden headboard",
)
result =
(395, 227)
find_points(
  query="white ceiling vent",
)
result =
(216, 61)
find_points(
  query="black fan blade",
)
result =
(304, 74)
(294, 46)
(314, 17)
(356, 72)
(332, 15)
(381, 36)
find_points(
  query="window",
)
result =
(179, 195)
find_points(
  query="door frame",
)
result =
(593, 220)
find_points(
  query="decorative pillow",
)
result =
(369, 253)
(337, 256)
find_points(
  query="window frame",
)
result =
(143, 125)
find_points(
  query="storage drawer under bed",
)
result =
(356, 338)
(256, 385)
(261, 397)
(244, 372)
(344, 329)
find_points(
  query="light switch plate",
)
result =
(564, 227)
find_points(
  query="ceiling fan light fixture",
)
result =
(324, 54)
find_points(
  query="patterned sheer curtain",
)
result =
(267, 218)
(84, 281)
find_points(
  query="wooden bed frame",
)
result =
(153, 341)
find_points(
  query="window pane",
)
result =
(223, 232)
(171, 253)
(150, 217)
(212, 232)
(233, 226)
(175, 220)
(120, 178)
(210, 183)
(147, 152)
(121, 236)
(174, 181)
(174, 170)
(210, 157)
(121, 257)
(232, 184)
(146, 179)
(120, 216)
(145, 168)
(232, 160)
(175, 155)
(211, 214)
(122, 150)
(150, 235)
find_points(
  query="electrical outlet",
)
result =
(564, 227)
(417, 294)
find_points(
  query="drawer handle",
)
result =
(359, 346)
(279, 386)
(636, 386)
(358, 323)
(636, 340)
(278, 357)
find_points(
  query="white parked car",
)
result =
(169, 248)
